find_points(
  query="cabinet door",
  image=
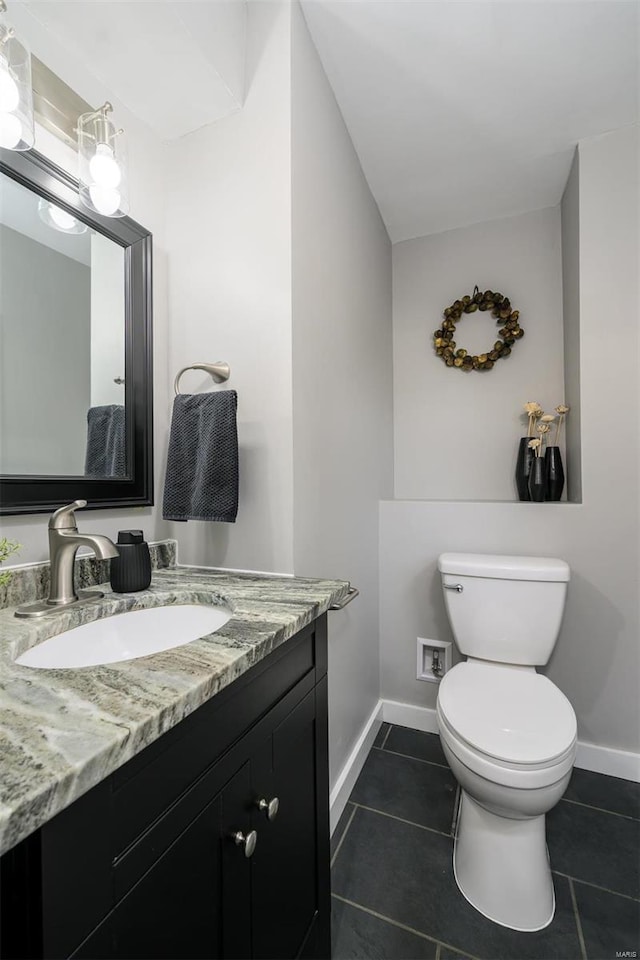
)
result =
(194, 901)
(284, 866)
(173, 911)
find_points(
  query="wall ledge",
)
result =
(524, 504)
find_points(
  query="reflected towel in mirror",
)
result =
(106, 442)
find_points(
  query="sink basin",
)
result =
(126, 636)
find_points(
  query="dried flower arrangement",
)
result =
(536, 417)
(543, 429)
(540, 422)
(534, 411)
(7, 548)
(535, 445)
(537, 485)
(500, 307)
(562, 410)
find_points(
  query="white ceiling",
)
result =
(176, 64)
(468, 111)
(460, 110)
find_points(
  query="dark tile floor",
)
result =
(394, 896)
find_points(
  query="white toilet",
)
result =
(508, 733)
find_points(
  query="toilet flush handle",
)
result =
(454, 586)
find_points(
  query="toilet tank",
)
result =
(509, 608)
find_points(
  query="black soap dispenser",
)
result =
(131, 570)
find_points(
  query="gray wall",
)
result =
(597, 658)
(342, 390)
(229, 234)
(571, 309)
(456, 433)
(45, 358)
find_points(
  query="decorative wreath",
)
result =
(500, 307)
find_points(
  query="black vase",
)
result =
(523, 466)
(553, 473)
(537, 482)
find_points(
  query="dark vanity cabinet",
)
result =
(152, 863)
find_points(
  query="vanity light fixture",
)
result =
(16, 101)
(59, 219)
(102, 164)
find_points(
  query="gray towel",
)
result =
(202, 463)
(106, 442)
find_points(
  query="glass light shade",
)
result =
(16, 99)
(59, 219)
(102, 164)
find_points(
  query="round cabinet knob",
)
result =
(270, 807)
(248, 842)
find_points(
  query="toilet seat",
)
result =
(508, 724)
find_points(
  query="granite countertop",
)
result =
(63, 731)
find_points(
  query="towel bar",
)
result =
(220, 372)
(341, 604)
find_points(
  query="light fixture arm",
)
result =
(8, 32)
(104, 132)
(102, 124)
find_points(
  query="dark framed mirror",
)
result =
(76, 366)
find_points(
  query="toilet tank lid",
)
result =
(503, 567)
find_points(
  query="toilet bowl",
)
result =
(508, 733)
(512, 757)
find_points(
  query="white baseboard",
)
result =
(353, 765)
(407, 715)
(589, 756)
(615, 763)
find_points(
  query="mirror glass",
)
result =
(62, 342)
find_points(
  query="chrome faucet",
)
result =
(64, 541)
